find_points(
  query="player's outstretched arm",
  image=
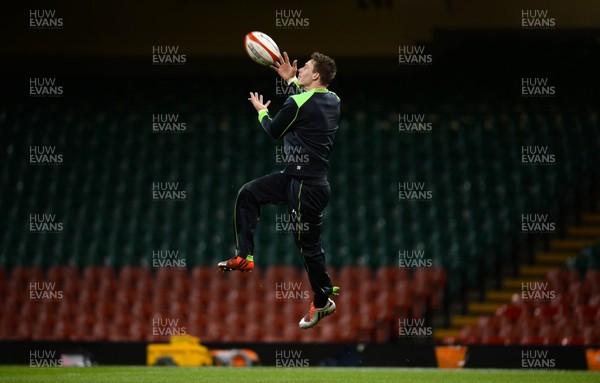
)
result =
(286, 69)
(257, 101)
(282, 123)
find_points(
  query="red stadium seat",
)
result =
(351, 276)
(571, 341)
(403, 294)
(560, 279)
(280, 273)
(548, 312)
(172, 280)
(592, 278)
(586, 315)
(214, 331)
(488, 323)
(511, 334)
(63, 272)
(253, 332)
(236, 297)
(202, 274)
(350, 299)
(579, 293)
(383, 333)
(139, 330)
(548, 333)
(468, 335)
(99, 331)
(388, 276)
(198, 299)
(511, 311)
(531, 340)
(22, 276)
(95, 274)
(118, 329)
(63, 330)
(141, 309)
(217, 308)
(87, 299)
(591, 335)
(130, 276)
(290, 331)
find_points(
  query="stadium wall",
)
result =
(337, 354)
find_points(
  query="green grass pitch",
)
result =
(283, 375)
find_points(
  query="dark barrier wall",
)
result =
(304, 355)
(547, 357)
(271, 354)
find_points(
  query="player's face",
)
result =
(306, 74)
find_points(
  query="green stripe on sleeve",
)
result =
(261, 114)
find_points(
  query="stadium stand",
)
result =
(97, 304)
(102, 193)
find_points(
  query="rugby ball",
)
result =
(261, 48)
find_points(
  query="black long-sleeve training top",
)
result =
(307, 122)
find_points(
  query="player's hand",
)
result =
(257, 101)
(286, 69)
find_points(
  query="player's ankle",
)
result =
(320, 302)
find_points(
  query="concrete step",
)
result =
(591, 218)
(441, 333)
(554, 258)
(516, 284)
(538, 272)
(463, 320)
(587, 232)
(500, 296)
(569, 245)
(483, 308)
